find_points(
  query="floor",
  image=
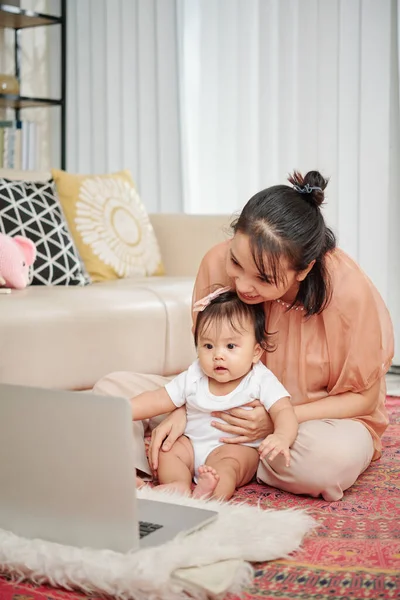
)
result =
(393, 385)
(354, 554)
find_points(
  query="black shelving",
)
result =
(19, 102)
(19, 19)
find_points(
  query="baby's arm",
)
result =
(151, 404)
(285, 431)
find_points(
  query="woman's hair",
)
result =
(228, 307)
(286, 222)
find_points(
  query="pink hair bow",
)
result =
(201, 304)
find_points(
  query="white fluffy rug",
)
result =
(211, 561)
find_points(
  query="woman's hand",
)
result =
(245, 425)
(166, 434)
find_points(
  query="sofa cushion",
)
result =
(31, 208)
(109, 224)
(71, 337)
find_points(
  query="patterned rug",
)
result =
(355, 553)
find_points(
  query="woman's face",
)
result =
(251, 286)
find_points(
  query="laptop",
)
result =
(67, 474)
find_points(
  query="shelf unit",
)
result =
(18, 19)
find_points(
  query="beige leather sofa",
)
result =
(69, 337)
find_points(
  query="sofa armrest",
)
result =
(184, 239)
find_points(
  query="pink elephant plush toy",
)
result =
(17, 254)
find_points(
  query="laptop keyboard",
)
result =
(147, 528)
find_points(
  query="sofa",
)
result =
(67, 337)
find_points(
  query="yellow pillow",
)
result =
(109, 224)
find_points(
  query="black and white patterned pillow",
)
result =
(32, 209)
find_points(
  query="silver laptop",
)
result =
(67, 474)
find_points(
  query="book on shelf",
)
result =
(19, 145)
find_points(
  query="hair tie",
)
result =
(202, 304)
(307, 189)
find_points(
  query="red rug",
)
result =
(355, 553)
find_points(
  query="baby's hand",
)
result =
(273, 445)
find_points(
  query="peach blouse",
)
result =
(345, 348)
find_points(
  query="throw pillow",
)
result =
(109, 224)
(32, 209)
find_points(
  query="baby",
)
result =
(230, 339)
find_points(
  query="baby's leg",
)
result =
(227, 467)
(175, 467)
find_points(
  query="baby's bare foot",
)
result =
(206, 483)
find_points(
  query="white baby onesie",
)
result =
(191, 388)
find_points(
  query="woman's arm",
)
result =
(151, 404)
(245, 425)
(341, 406)
(250, 425)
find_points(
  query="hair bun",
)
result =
(311, 186)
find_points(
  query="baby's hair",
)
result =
(228, 307)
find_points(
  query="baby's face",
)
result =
(225, 354)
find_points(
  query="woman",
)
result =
(332, 338)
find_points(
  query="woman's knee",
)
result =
(110, 384)
(327, 457)
(127, 384)
(334, 443)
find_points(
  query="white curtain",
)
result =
(269, 85)
(122, 95)
(272, 85)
